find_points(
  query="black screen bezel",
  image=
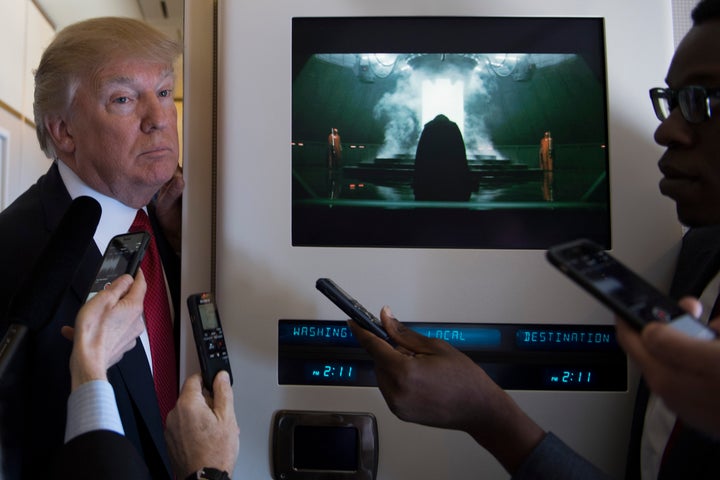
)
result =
(518, 227)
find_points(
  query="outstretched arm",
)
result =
(427, 381)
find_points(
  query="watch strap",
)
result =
(209, 473)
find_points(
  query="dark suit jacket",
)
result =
(694, 454)
(34, 397)
(100, 454)
(552, 459)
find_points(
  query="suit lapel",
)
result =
(698, 261)
(55, 202)
(135, 373)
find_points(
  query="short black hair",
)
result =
(705, 10)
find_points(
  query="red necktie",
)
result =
(158, 322)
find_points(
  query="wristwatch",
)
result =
(208, 473)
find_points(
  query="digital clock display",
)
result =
(515, 356)
(324, 371)
(577, 377)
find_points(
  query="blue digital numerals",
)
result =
(330, 372)
(569, 377)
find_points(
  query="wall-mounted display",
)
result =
(449, 132)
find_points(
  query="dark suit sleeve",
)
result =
(99, 454)
(552, 459)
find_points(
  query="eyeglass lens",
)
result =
(693, 102)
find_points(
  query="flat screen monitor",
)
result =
(449, 132)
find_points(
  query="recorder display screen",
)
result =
(207, 316)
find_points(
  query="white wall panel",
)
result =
(40, 34)
(262, 278)
(13, 23)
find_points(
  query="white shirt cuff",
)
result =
(92, 406)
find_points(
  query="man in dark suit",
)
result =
(427, 381)
(105, 113)
(682, 372)
(202, 431)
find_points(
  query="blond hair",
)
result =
(80, 51)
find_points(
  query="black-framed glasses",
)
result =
(694, 102)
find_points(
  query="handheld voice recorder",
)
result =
(209, 338)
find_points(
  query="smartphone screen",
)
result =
(123, 255)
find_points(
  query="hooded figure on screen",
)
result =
(441, 168)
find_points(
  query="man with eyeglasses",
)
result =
(685, 373)
(427, 381)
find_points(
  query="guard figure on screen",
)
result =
(546, 152)
(334, 149)
(441, 167)
(546, 165)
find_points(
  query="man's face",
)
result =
(691, 162)
(122, 131)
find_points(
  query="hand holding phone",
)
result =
(123, 255)
(622, 290)
(351, 307)
(209, 338)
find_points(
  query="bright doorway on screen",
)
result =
(443, 96)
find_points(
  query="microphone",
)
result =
(36, 301)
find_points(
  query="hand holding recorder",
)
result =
(428, 381)
(122, 256)
(209, 337)
(351, 307)
(681, 370)
(622, 290)
(107, 327)
(202, 431)
(664, 338)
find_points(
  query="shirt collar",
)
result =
(116, 217)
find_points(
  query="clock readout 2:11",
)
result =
(571, 376)
(337, 371)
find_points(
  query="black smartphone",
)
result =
(123, 255)
(351, 307)
(209, 339)
(620, 289)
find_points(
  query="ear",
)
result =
(58, 130)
